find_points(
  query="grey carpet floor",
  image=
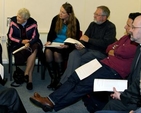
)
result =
(40, 86)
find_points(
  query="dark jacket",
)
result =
(14, 32)
(100, 35)
(132, 94)
(52, 34)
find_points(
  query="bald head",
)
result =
(137, 21)
(136, 30)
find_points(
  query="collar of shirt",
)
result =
(24, 23)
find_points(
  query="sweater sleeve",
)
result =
(52, 34)
(103, 36)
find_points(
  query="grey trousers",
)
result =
(78, 58)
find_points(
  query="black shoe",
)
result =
(58, 86)
(26, 78)
(3, 82)
(29, 86)
(52, 84)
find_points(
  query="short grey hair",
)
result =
(24, 13)
(105, 10)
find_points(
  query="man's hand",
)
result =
(116, 94)
(111, 52)
(131, 111)
(84, 38)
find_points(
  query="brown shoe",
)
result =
(42, 102)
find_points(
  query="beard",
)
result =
(100, 22)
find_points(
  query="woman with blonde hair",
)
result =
(23, 31)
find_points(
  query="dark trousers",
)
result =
(74, 88)
(117, 105)
(10, 98)
(78, 58)
(110, 111)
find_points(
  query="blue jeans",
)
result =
(74, 88)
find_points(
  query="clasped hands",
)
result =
(26, 43)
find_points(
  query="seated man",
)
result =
(120, 54)
(11, 100)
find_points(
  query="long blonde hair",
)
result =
(71, 22)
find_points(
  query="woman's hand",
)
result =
(27, 45)
(78, 46)
(47, 43)
(63, 46)
(25, 41)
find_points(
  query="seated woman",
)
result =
(63, 25)
(23, 32)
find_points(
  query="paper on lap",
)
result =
(88, 68)
(55, 44)
(17, 50)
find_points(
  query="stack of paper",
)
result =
(73, 41)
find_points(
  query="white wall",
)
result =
(44, 10)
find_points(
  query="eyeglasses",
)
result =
(133, 27)
(95, 14)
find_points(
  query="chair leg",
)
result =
(38, 65)
(10, 66)
(43, 71)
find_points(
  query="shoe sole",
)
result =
(44, 107)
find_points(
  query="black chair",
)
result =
(10, 57)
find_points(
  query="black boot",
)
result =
(52, 73)
(3, 81)
(60, 71)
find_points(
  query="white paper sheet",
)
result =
(88, 68)
(2, 71)
(55, 44)
(108, 84)
(17, 50)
